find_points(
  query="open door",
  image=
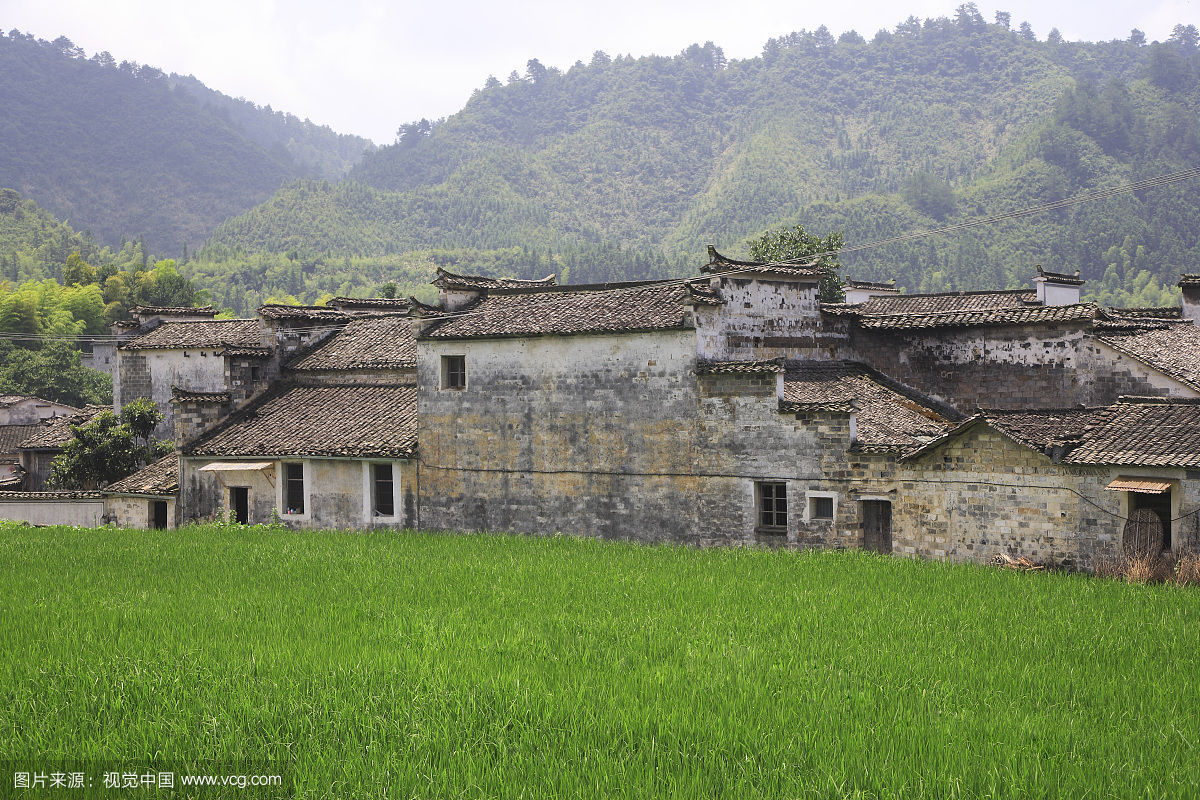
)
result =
(239, 504)
(877, 525)
(158, 513)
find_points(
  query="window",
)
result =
(772, 505)
(820, 506)
(293, 488)
(454, 372)
(384, 501)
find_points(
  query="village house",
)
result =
(729, 408)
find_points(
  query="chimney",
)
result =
(1190, 284)
(1056, 288)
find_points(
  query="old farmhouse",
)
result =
(730, 408)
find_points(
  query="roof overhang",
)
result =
(237, 466)
(1125, 483)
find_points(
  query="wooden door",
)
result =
(877, 525)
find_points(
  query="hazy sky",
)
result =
(366, 66)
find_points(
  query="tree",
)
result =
(1137, 37)
(1027, 32)
(491, 82)
(786, 244)
(1004, 20)
(1054, 37)
(109, 447)
(534, 71)
(53, 372)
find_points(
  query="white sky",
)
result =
(366, 66)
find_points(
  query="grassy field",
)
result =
(418, 665)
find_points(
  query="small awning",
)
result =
(1143, 485)
(237, 466)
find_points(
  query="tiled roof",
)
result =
(161, 477)
(53, 433)
(215, 333)
(449, 280)
(1189, 280)
(1135, 431)
(1041, 428)
(302, 313)
(323, 420)
(889, 416)
(388, 305)
(572, 310)
(763, 367)
(174, 311)
(1145, 432)
(880, 286)
(937, 303)
(13, 399)
(11, 436)
(1031, 315)
(1149, 312)
(1171, 348)
(51, 496)
(179, 395)
(378, 342)
(723, 264)
(1061, 278)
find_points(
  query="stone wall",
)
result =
(152, 373)
(193, 417)
(245, 377)
(982, 493)
(1011, 368)
(337, 493)
(617, 437)
(589, 435)
(127, 511)
(763, 318)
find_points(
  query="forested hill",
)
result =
(124, 150)
(925, 125)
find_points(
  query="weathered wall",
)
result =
(982, 493)
(53, 511)
(134, 512)
(742, 438)
(590, 435)
(37, 465)
(336, 494)
(1011, 368)
(152, 373)
(767, 319)
(617, 437)
(32, 411)
(193, 417)
(245, 376)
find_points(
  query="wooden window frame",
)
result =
(770, 506)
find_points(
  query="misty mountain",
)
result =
(124, 150)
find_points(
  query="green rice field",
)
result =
(400, 664)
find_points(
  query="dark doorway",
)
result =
(877, 525)
(1148, 530)
(158, 513)
(239, 504)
